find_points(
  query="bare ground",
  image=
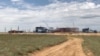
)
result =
(72, 47)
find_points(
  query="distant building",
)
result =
(15, 31)
(41, 30)
(88, 30)
(67, 30)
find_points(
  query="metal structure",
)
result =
(88, 30)
(66, 30)
(41, 30)
(15, 31)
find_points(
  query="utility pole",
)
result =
(5, 29)
(73, 23)
(18, 28)
(11, 28)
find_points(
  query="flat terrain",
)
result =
(21, 45)
(92, 44)
(72, 47)
(78, 45)
(49, 45)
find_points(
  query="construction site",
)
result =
(57, 30)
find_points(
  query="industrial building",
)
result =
(88, 30)
(41, 30)
(45, 30)
(66, 30)
(15, 31)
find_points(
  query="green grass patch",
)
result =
(20, 45)
(92, 43)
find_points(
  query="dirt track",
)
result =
(72, 47)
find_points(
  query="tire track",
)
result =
(72, 47)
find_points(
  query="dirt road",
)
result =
(72, 47)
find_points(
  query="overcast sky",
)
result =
(28, 14)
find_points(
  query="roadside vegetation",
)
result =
(91, 44)
(20, 45)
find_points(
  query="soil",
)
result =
(72, 47)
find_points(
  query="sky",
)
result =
(28, 14)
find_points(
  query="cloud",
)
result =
(58, 14)
(16, 0)
(89, 0)
(90, 16)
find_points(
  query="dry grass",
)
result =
(20, 45)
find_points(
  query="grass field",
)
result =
(20, 45)
(91, 43)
